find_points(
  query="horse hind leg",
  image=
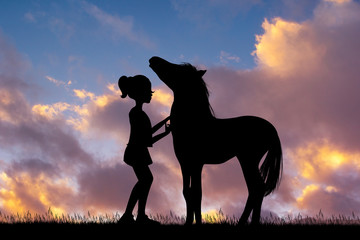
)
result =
(247, 210)
(256, 189)
(258, 199)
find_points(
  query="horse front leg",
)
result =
(196, 193)
(187, 195)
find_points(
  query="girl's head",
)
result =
(137, 88)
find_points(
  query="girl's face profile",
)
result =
(145, 94)
(148, 95)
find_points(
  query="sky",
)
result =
(64, 127)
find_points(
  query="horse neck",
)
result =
(186, 107)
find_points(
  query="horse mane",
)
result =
(201, 85)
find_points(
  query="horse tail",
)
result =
(271, 169)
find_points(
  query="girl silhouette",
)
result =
(136, 153)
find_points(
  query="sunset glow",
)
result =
(64, 126)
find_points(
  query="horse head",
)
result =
(186, 82)
(176, 76)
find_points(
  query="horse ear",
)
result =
(201, 72)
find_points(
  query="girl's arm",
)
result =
(161, 135)
(159, 125)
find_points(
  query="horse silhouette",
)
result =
(200, 138)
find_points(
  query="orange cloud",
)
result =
(338, 1)
(287, 46)
(318, 160)
(82, 93)
(9, 200)
(114, 89)
(50, 111)
(326, 173)
(163, 97)
(79, 115)
(309, 189)
(23, 192)
(101, 100)
(328, 199)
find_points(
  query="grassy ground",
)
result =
(205, 231)
(219, 226)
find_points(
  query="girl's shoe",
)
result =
(126, 219)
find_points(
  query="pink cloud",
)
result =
(305, 83)
(44, 152)
(51, 165)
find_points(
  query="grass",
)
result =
(213, 225)
(50, 217)
(172, 219)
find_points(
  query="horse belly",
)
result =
(205, 148)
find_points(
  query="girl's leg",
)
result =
(127, 218)
(145, 178)
(134, 197)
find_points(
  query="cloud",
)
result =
(318, 161)
(110, 120)
(224, 188)
(329, 200)
(29, 186)
(50, 111)
(117, 180)
(45, 154)
(35, 184)
(12, 106)
(316, 100)
(337, 12)
(306, 84)
(285, 45)
(338, 1)
(119, 27)
(333, 176)
(30, 17)
(107, 113)
(104, 118)
(58, 82)
(68, 155)
(163, 97)
(226, 57)
(82, 94)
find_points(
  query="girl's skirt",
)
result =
(137, 155)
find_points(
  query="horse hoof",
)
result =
(188, 223)
(242, 223)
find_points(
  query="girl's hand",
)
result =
(167, 128)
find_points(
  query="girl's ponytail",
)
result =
(124, 85)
